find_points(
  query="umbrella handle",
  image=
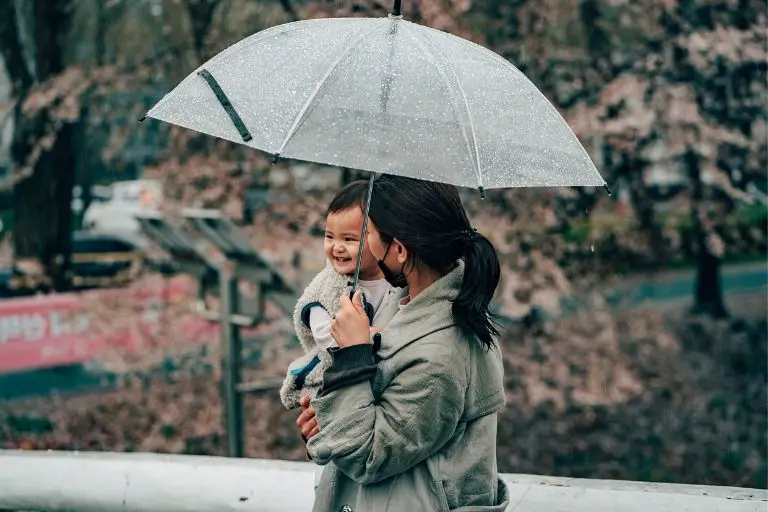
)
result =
(364, 232)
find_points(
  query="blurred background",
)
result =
(635, 325)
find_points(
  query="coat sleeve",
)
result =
(370, 440)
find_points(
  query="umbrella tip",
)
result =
(142, 118)
(482, 192)
(275, 158)
(607, 189)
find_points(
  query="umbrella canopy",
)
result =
(383, 95)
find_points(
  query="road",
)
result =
(675, 286)
(745, 289)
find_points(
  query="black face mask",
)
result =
(396, 280)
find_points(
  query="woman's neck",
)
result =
(419, 279)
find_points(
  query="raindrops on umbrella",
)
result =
(383, 95)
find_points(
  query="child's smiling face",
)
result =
(342, 240)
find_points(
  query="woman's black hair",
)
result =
(430, 221)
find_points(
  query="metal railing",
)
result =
(237, 260)
(105, 482)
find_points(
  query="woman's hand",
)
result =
(350, 325)
(307, 421)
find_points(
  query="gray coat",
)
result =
(422, 435)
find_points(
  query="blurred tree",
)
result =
(46, 132)
(626, 75)
(68, 122)
(643, 84)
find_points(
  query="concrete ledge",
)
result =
(59, 481)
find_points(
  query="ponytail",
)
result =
(429, 219)
(481, 277)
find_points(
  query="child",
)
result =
(320, 300)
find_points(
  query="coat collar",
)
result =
(428, 312)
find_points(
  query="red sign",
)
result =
(54, 330)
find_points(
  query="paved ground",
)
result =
(140, 482)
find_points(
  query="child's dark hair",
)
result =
(430, 221)
(351, 195)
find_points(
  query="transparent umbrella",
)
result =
(382, 95)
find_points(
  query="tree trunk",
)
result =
(13, 53)
(33, 46)
(289, 9)
(101, 33)
(644, 209)
(709, 288)
(201, 17)
(41, 206)
(708, 292)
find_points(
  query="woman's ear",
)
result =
(401, 251)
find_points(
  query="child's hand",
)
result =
(350, 325)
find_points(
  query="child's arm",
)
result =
(320, 325)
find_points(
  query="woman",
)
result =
(412, 426)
